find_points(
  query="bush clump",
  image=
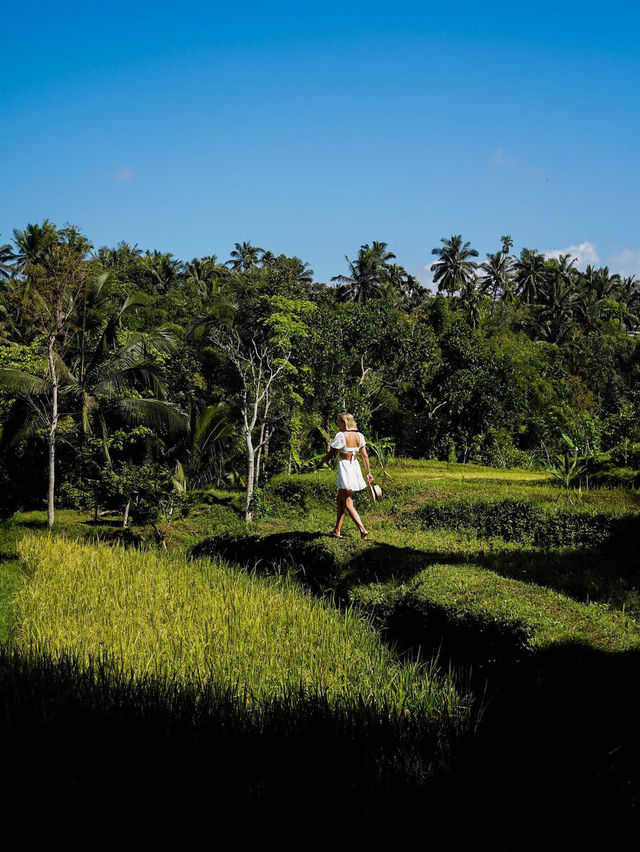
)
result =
(519, 520)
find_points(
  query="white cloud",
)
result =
(626, 263)
(423, 274)
(585, 253)
(499, 158)
(124, 174)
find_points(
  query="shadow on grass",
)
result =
(33, 524)
(97, 735)
(306, 552)
(560, 741)
(558, 749)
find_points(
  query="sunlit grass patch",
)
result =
(153, 614)
(537, 617)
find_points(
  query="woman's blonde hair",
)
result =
(348, 420)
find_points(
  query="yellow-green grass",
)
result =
(399, 549)
(154, 614)
(538, 616)
(453, 573)
(542, 596)
(411, 482)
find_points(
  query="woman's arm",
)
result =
(332, 452)
(365, 456)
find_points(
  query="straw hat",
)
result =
(375, 492)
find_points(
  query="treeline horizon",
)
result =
(131, 377)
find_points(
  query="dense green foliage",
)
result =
(229, 373)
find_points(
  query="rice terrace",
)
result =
(320, 425)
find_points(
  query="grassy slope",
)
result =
(162, 615)
(484, 579)
(547, 595)
(582, 723)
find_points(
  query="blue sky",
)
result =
(311, 130)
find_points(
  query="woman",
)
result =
(348, 444)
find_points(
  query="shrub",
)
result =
(517, 520)
(626, 455)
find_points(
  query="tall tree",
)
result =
(55, 266)
(363, 281)
(454, 268)
(164, 268)
(258, 342)
(496, 275)
(530, 270)
(245, 257)
(368, 273)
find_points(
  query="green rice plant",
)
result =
(154, 615)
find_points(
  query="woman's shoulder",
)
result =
(338, 441)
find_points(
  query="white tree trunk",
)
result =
(52, 435)
(248, 515)
(126, 513)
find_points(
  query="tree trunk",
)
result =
(52, 434)
(266, 446)
(259, 453)
(126, 513)
(248, 515)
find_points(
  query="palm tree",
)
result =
(304, 273)
(244, 257)
(454, 269)
(379, 252)
(599, 283)
(165, 269)
(6, 256)
(558, 302)
(89, 377)
(497, 275)
(203, 273)
(364, 281)
(507, 243)
(207, 433)
(32, 244)
(470, 302)
(369, 274)
(596, 288)
(120, 256)
(629, 295)
(530, 270)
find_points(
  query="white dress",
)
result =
(349, 473)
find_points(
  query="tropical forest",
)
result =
(177, 620)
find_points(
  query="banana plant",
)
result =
(384, 450)
(568, 466)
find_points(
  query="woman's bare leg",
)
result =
(340, 505)
(351, 509)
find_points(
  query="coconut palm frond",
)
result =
(222, 312)
(108, 338)
(113, 377)
(136, 300)
(154, 413)
(22, 383)
(210, 427)
(165, 338)
(63, 371)
(21, 422)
